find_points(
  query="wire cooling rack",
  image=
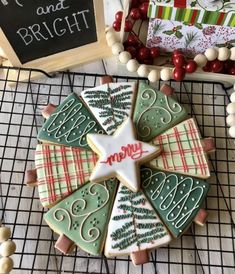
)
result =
(210, 249)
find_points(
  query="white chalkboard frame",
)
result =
(68, 58)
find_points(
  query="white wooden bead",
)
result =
(6, 265)
(230, 120)
(5, 234)
(224, 54)
(154, 76)
(124, 57)
(132, 65)
(231, 108)
(117, 48)
(112, 40)
(108, 28)
(232, 97)
(232, 56)
(7, 248)
(211, 54)
(143, 71)
(110, 34)
(201, 60)
(232, 131)
(166, 74)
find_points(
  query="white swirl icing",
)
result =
(69, 113)
(93, 230)
(169, 111)
(168, 202)
(62, 216)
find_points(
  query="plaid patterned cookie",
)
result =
(61, 170)
(182, 151)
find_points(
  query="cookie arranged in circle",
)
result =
(176, 198)
(69, 124)
(120, 155)
(83, 216)
(183, 151)
(61, 170)
(155, 112)
(134, 226)
(111, 104)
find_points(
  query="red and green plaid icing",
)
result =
(182, 151)
(61, 170)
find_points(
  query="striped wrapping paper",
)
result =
(61, 170)
(201, 11)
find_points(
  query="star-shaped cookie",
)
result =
(120, 155)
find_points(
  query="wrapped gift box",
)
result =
(193, 39)
(211, 12)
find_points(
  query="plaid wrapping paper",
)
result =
(182, 151)
(219, 12)
(61, 170)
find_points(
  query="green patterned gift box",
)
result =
(218, 12)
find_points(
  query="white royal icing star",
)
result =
(120, 155)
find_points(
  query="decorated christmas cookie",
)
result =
(134, 227)
(155, 112)
(69, 124)
(176, 198)
(111, 104)
(120, 155)
(61, 170)
(82, 217)
(183, 150)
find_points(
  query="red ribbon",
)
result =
(180, 3)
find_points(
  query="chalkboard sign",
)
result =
(37, 31)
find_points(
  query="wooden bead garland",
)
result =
(165, 74)
(7, 248)
(230, 120)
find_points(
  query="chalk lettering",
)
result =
(59, 32)
(25, 36)
(52, 8)
(59, 27)
(36, 31)
(70, 25)
(133, 151)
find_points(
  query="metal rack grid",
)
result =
(208, 249)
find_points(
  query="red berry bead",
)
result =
(228, 65)
(154, 52)
(217, 66)
(132, 40)
(117, 25)
(179, 74)
(118, 16)
(135, 14)
(144, 10)
(132, 51)
(143, 54)
(177, 52)
(207, 67)
(179, 61)
(128, 26)
(135, 3)
(191, 66)
(232, 71)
